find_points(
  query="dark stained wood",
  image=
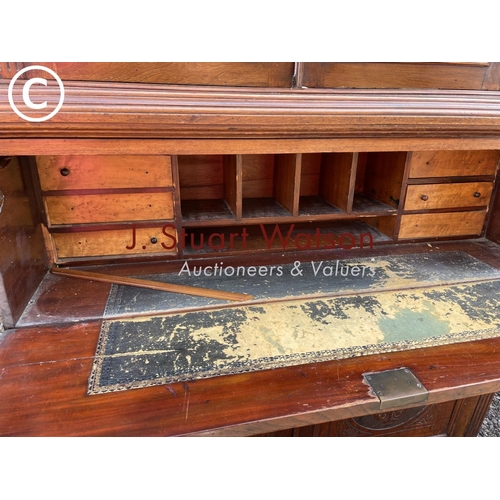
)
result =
(229, 73)
(310, 171)
(468, 415)
(258, 176)
(491, 79)
(328, 177)
(9, 69)
(23, 261)
(395, 75)
(335, 160)
(51, 304)
(336, 182)
(493, 230)
(386, 225)
(113, 111)
(415, 422)
(152, 285)
(201, 177)
(233, 183)
(286, 181)
(54, 364)
(219, 146)
(382, 179)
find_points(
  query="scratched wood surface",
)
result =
(54, 364)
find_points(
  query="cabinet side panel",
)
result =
(493, 232)
(23, 259)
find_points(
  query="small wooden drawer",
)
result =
(442, 225)
(452, 163)
(102, 208)
(435, 196)
(151, 240)
(103, 172)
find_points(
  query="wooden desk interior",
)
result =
(184, 186)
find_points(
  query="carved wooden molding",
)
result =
(108, 110)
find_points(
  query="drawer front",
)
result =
(441, 225)
(103, 172)
(115, 242)
(97, 208)
(452, 163)
(433, 196)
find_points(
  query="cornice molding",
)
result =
(120, 111)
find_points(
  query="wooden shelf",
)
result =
(208, 186)
(311, 206)
(199, 210)
(363, 204)
(287, 188)
(254, 208)
(379, 178)
(329, 177)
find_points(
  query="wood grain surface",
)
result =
(103, 172)
(453, 163)
(119, 110)
(441, 224)
(54, 364)
(433, 196)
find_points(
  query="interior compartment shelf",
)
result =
(325, 180)
(208, 187)
(363, 204)
(268, 185)
(379, 177)
(340, 234)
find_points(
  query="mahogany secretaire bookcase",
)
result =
(280, 249)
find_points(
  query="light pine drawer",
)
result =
(452, 163)
(434, 196)
(115, 242)
(102, 208)
(103, 172)
(441, 225)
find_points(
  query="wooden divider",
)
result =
(265, 186)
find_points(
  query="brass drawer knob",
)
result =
(64, 172)
(477, 194)
(424, 197)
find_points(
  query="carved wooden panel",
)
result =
(430, 420)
